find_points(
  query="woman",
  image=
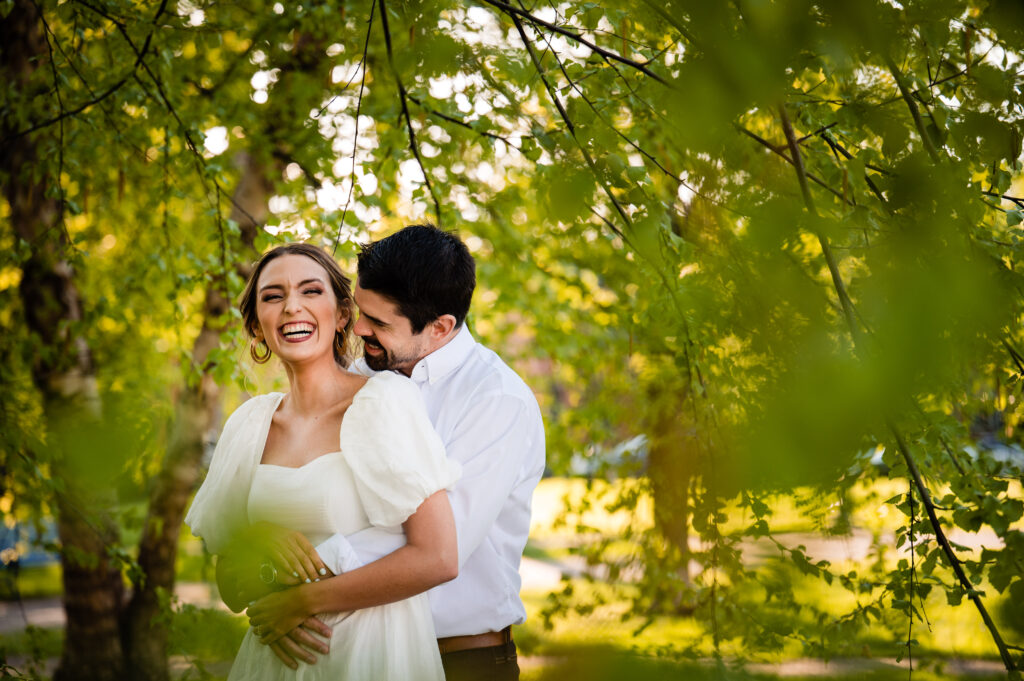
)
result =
(337, 454)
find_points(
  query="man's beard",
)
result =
(378, 362)
(384, 361)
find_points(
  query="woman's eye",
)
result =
(313, 291)
(270, 298)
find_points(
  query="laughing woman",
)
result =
(336, 454)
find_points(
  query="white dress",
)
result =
(389, 461)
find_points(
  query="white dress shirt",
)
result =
(489, 422)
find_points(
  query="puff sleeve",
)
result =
(220, 507)
(396, 457)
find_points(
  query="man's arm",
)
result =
(491, 442)
(429, 558)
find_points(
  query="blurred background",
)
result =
(758, 260)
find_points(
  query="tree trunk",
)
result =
(671, 460)
(146, 631)
(61, 369)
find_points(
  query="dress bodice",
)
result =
(318, 499)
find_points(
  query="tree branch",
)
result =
(355, 137)
(816, 180)
(405, 110)
(836, 147)
(604, 120)
(947, 549)
(833, 266)
(515, 13)
(572, 128)
(901, 444)
(1019, 201)
(461, 123)
(926, 139)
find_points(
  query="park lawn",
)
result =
(577, 640)
(599, 644)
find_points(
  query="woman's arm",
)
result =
(263, 559)
(429, 557)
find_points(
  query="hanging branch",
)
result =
(913, 575)
(922, 490)
(67, 113)
(826, 249)
(516, 13)
(200, 162)
(837, 147)
(816, 180)
(947, 549)
(405, 110)
(62, 199)
(915, 113)
(461, 123)
(355, 137)
(572, 128)
(602, 117)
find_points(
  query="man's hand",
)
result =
(300, 643)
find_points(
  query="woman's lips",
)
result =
(297, 332)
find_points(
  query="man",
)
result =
(413, 292)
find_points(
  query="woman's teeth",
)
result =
(297, 330)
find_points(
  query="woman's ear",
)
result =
(344, 315)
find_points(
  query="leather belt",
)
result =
(455, 644)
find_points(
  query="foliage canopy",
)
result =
(770, 236)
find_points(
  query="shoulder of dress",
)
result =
(388, 385)
(254, 408)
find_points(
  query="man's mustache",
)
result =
(371, 340)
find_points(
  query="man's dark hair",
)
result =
(426, 271)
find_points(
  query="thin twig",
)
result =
(604, 120)
(355, 138)
(926, 139)
(572, 128)
(461, 123)
(62, 198)
(68, 113)
(816, 180)
(836, 147)
(951, 556)
(515, 13)
(1019, 201)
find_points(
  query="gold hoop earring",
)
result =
(259, 358)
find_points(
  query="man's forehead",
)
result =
(375, 304)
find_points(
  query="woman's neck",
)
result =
(314, 387)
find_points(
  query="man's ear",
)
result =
(442, 326)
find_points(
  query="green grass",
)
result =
(602, 642)
(600, 663)
(31, 582)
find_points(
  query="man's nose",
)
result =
(361, 328)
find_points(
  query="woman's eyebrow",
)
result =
(301, 283)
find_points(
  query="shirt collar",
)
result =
(445, 359)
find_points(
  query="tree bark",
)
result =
(62, 368)
(146, 630)
(671, 460)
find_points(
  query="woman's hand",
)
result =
(294, 557)
(277, 614)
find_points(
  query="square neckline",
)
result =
(270, 422)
